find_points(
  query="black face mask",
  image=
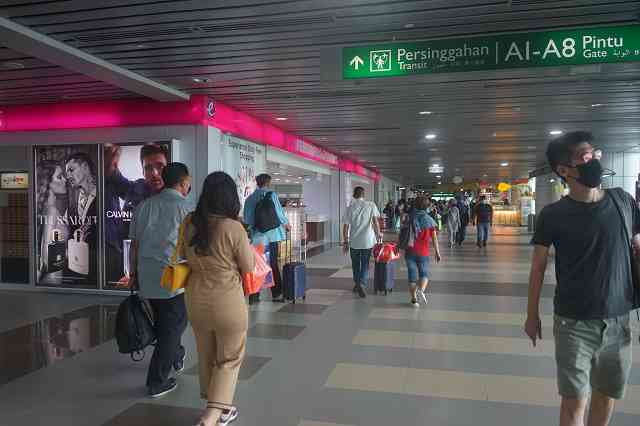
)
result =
(590, 173)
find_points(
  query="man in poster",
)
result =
(81, 176)
(123, 194)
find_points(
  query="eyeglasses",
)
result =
(150, 168)
(595, 154)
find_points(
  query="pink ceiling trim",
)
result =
(127, 113)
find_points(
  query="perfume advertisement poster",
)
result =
(132, 173)
(66, 203)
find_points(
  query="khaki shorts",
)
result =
(593, 354)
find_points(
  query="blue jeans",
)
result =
(483, 231)
(360, 265)
(417, 266)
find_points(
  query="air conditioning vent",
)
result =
(198, 30)
(524, 3)
(337, 94)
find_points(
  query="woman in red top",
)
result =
(417, 255)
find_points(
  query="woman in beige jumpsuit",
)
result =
(218, 252)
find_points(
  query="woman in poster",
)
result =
(53, 202)
(66, 215)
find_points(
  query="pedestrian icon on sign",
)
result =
(380, 60)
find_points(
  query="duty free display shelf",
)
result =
(14, 238)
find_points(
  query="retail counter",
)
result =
(316, 228)
(509, 216)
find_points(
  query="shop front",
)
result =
(307, 191)
(66, 224)
(513, 202)
(67, 195)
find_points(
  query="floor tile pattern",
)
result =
(336, 360)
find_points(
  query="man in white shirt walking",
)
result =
(360, 233)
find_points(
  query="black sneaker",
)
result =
(479, 244)
(361, 292)
(228, 416)
(178, 366)
(484, 244)
(159, 391)
(355, 288)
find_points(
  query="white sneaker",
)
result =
(414, 303)
(228, 416)
(423, 297)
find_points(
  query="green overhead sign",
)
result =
(518, 50)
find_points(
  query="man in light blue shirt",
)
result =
(360, 232)
(270, 238)
(154, 234)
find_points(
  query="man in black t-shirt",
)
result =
(595, 290)
(483, 216)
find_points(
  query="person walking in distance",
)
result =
(270, 238)
(463, 206)
(218, 250)
(417, 255)
(453, 222)
(389, 211)
(154, 234)
(591, 232)
(483, 215)
(360, 233)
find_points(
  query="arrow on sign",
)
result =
(356, 62)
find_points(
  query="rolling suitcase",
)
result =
(384, 277)
(294, 277)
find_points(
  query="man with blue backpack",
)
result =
(268, 225)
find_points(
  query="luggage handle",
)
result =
(290, 243)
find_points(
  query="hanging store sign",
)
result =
(312, 151)
(585, 46)
(503, 187)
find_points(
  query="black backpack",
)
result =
(407, 236)
(266, 215)
(134, 327)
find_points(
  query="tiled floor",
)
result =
(275, 331)
(335, 360)
(250, 367)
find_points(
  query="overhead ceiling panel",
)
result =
(25, 80)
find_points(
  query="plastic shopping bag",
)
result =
(252, 282)
(268, 281)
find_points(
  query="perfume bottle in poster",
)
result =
(56, 252)
(66, 215)
(126, 259)
(78, 254)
